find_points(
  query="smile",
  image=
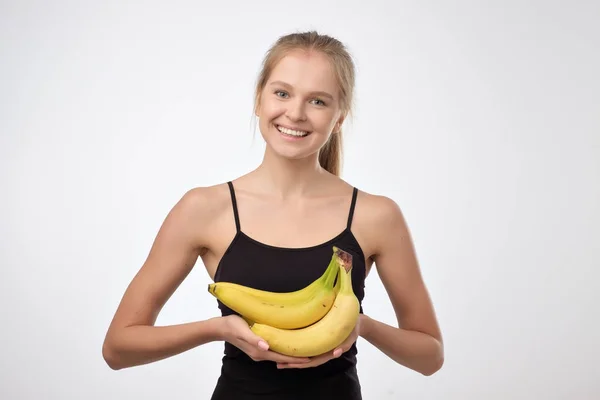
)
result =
(292, 132)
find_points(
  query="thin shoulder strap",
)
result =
(234, 204)
(352, 206)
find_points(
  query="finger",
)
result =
(343, 347)
(314, 362)
(263, 345)
(286, 360)
(283, 359)
(310, 364)
(305, 365)
(256, 341)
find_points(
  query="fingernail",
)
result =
(337, 353)
(263, 345)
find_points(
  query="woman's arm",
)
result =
(132, 339)
(417, 341)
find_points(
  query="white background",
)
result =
(481, 120)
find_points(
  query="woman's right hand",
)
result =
(237, 332)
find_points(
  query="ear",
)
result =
(257, 105)
(338, 125)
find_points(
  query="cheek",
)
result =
(268, 112)
(324, 122)
(270, 109)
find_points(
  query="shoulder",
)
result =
(200, 207)
(381, 219)
(205, 200)
(379, 210)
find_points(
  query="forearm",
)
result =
(137, 345)
(415, 350)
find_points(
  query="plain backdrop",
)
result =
(480, 119)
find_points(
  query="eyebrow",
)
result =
(317, 93)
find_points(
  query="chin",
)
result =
(291, 153)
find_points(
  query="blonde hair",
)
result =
(330, 155)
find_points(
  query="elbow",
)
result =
(110, 357)
(435, 361)
(433, 367)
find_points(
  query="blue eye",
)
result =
(283, 94)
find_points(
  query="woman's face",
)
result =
(299, 106)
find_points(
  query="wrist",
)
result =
(218, 328)
(365, 325)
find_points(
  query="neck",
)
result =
(289, 178)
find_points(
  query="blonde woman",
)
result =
(273, 228)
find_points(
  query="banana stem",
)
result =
(344, 258)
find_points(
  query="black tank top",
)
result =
(250, 262)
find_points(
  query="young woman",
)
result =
(274, 229)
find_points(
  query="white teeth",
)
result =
(291, 131)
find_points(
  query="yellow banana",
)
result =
(301, 295)
(325, 334)
(290, 310)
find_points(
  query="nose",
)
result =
(296, 111)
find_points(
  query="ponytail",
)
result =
(330, 155)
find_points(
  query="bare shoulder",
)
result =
(203, 200)
(379, 207)
(201, 207)
(378, 217)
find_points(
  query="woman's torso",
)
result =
(284, 263)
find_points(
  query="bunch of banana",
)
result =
(303, 323)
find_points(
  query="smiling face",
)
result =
(299, 106)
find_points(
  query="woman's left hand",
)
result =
(323, 358)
